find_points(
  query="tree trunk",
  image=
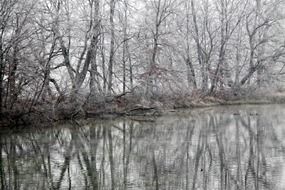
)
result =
(191, 78)
(13, 68)
(102, 49)
(125, 25)
(219, 75)
(94, 83)
(112, 46)
(12, 78)
(1, 77)
(200, 54)
(130, 69)
(150, 77)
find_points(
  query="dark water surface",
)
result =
(225, 148)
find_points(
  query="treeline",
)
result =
(54, 51)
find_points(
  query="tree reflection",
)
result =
(213, 150)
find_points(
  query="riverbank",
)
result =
(134, 106)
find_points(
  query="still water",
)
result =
(221, 148)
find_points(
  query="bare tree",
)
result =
(112, 45)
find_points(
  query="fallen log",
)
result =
(142, 111)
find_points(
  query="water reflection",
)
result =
(220, 148)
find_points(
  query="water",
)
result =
(221, 148)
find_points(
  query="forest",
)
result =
(61, 59)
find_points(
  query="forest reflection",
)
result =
(214, 149)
